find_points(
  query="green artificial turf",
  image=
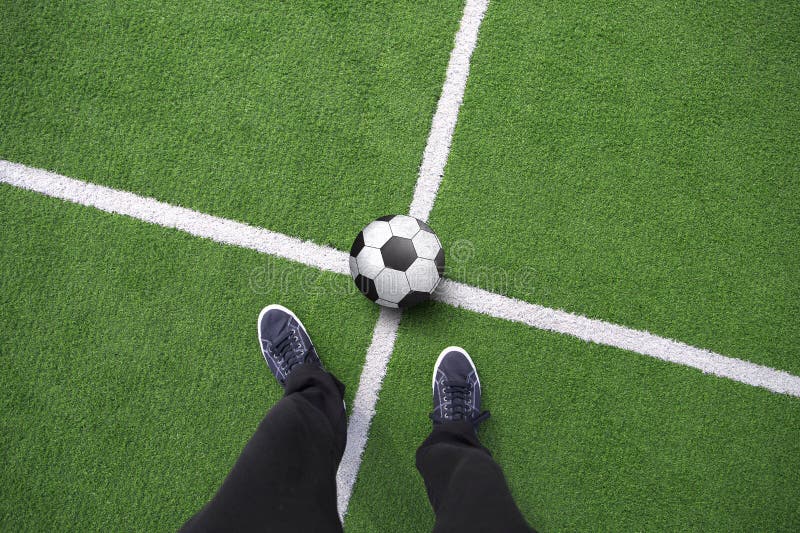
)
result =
(255, 111)
(637, 163)
(131, 373)
(633, 163)
(591, 438)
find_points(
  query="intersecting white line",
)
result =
(378, 355)
(450, 292)
(434, 159)
(268, 242)
(431, 170)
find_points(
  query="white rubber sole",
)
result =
(445, 352)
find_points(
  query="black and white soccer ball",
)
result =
(397, 261)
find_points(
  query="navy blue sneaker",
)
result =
(284, 342)
(456, 389)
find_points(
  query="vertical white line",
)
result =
(443, 125)
(434, 160)
(369, 386)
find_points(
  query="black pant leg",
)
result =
(466, 487)
(285, 478)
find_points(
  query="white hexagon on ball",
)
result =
(370, 262)
(423, 276)
(392, 285)
(426, 244)
(377, 233)
(353, 267)
(404, 226)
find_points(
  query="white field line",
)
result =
(170, 216)
(599, 332)
(430, 176)
(378, 354)
(444, 121)
(450, 292)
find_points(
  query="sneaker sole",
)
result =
(294, 316)
(445, 352)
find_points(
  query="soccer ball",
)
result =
(397, 261)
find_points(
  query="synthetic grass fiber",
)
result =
(636, 163)
(591, 438)
(132, 375)
(254, 111)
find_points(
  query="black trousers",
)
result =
(285, 478)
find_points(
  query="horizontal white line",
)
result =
(453, 293)
(378, 354)
(597, 331)
(444, 120)
(170, 216)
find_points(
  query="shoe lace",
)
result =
(288, 350)
(457, 405)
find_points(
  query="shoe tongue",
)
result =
(457, 383)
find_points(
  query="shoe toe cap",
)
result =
(456, 365)
(272, 322)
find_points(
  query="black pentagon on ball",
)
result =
(414, 298)
(439, 260)
(367, 286)
(385, 218)
(398, 253)
(358, 244)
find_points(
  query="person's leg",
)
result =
(465, 486)
(285, 478)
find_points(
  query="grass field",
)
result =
(633, 163)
